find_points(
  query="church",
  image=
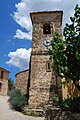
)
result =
(41, 82)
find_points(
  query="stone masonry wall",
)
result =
(41, 79)
(51, 113)
(21, 81)
(38, 20)
(4, 81)
(4, 87)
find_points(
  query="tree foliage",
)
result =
(17, 100)
(65, 54)
(10, 84)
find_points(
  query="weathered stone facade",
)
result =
(40, 81)
(52, 113)
(69, 91)
(41, 78)
(22, 81)
(4, 76)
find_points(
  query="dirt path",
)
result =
(8, 114)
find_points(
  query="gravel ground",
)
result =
(8, 114)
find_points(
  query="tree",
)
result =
(65, 54)
(10, 84)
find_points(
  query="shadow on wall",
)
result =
(28, 83)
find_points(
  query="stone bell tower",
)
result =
(45, 24)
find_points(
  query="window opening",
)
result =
(0, 86)
(2, 74)
(48, 66)
(46, 29)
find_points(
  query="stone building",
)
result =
(22, 81)
(4, 76)
(45, 24)
(39, 81)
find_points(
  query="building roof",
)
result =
(47, 12)
(4, 69)
(21, 72)
(40, 12)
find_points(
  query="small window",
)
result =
(46, 29)
(48, 66)
(2, 74)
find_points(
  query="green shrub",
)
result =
(15, 93)
(71, 104)
(55, 100)
(17, 100)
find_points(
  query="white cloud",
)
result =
(23, 20)
(20, 58)
(21, 15)
(22, 35)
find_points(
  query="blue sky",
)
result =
(8, 43)
(16, 29)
